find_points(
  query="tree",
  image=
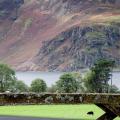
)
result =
(67, 84)
(97, 80)
(78, 77)
(7, 78)
(38, 85)
(20, 86)
(89, 82)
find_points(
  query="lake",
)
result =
(49, 77)
(52, 77)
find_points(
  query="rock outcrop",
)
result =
(79, 48)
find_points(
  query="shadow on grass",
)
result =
(5, 117)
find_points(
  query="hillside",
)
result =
(58, 35)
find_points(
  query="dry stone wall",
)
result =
(12, 99)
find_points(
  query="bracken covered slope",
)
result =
(58, 35)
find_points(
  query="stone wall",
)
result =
(27, 98)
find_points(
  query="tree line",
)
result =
(97, 80)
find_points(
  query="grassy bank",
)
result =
(76, 112)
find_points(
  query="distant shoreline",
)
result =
(82, 70)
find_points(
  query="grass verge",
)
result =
(76, 112)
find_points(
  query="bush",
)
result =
(52, 89)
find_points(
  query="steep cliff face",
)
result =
(79, 48)
(62, 35)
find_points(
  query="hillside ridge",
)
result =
(58, 35)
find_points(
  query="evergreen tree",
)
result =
(98, 79)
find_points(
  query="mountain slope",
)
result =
(58, 35)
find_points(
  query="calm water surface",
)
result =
(49, 77)
(52, 77)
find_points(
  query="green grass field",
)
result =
(74, 112)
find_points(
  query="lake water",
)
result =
(52, 77)
(49, 77)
